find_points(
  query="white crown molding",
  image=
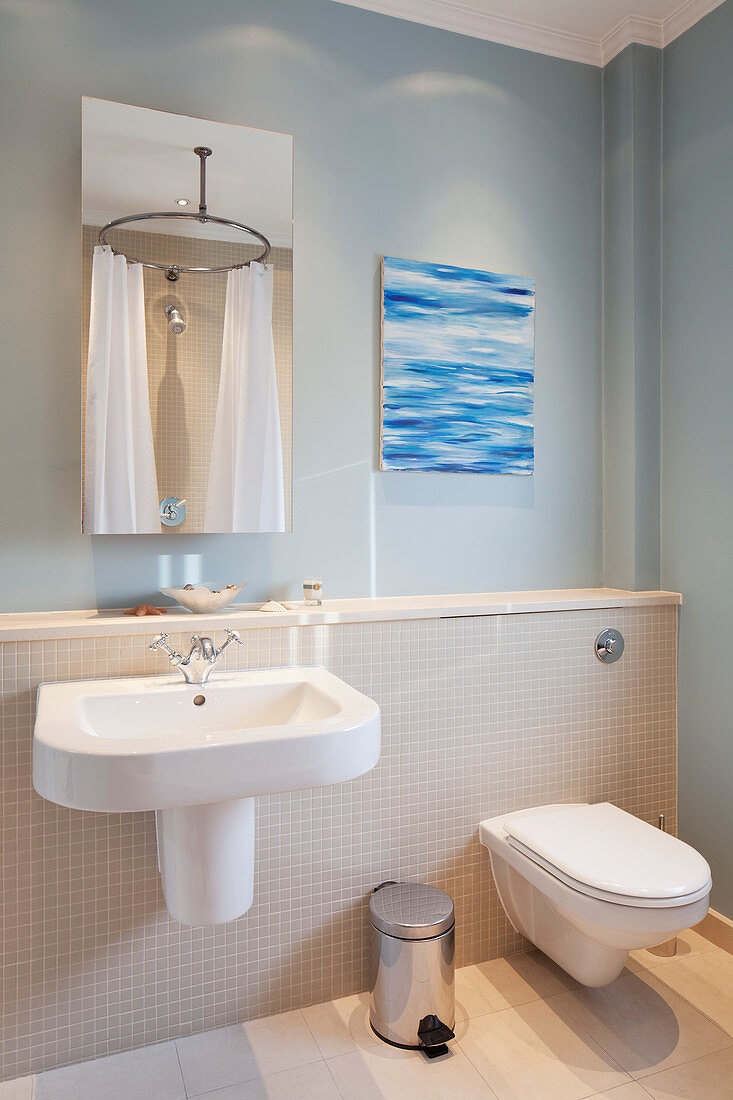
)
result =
(464, 19)
(686, 16)
(645, 32)
(654, 32)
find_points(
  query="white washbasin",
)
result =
(199, 755)
(143, 744)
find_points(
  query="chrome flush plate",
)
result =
(609, 645)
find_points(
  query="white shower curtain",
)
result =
(120, 483)
(246, 472)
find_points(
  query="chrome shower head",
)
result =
(176, 324)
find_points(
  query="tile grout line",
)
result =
(180, 1068)
(690, 1004)
(679, 1065)
(310, 1029)
(470, 1060)
(330, 1073)
(637, 974)
(258, 1076)
(608, 1053)
(591, 1038)
(611, 1091)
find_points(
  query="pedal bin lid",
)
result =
(411, 911)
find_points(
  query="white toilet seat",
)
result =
(606, 853)
(606, 895)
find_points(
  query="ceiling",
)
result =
(591, 31)
(135, 159)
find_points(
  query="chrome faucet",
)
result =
(203, 656)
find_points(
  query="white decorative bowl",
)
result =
(204, 598)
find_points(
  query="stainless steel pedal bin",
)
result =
(413, 993)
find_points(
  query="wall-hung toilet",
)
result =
(587, 884)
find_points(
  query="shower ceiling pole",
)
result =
(202, 152)
(174, 271)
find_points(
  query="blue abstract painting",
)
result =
(457, 369)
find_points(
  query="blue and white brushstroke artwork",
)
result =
(457, 370)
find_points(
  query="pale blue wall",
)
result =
(408, 141)
(632, 130)
(697, 409)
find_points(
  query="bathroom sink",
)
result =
(150, 743)
(198, 756)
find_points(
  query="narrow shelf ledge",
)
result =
(96, 624)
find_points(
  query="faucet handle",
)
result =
(231, 636)
(160, 641)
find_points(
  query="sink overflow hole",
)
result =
(199, 700)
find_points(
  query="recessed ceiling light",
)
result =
(181, 202)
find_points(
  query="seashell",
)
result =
(274, 606)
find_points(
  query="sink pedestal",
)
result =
(206, 859)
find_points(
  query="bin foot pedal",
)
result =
(434, 1035)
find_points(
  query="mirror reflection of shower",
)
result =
(195, 306)
(176, 324)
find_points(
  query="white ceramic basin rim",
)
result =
(143, 743)
(223, 711)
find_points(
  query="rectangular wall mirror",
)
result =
(187, 324)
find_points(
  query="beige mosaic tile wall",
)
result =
(480, 715)
(183, 371)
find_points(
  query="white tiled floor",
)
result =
(524, 1031)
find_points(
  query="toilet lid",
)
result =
(610, 851)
